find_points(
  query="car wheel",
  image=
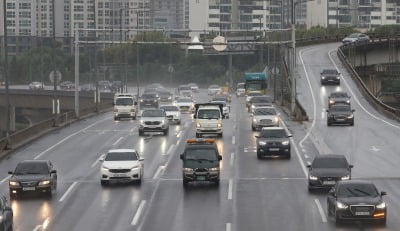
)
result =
(329, 212)
(310, 190)
(352, 123)
(198, 135)
(216, 182)
(338, 221)
(50, 193)
(104, 183)
(259, 156)
(179, 122)
(329, 124)
(13, 195)
(11, 227)
(383, 222)
(185, 183)
(165, 132)
(288, 157)
(141, 133)
(139, 182)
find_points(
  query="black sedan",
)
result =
(33, 176)
(340, 114)
(338, 97)
(6, 215)
(330, 76)
(273, 142)
(356, 201)
(326, 170)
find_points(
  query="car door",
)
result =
(53, 175)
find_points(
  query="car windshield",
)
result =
(357, 190)
(124, 101)
(153, 113)
(183, 100)
(149, 96)
(329, 72)
(330, 163)
(254, 94)
(353, 36)
(208, 114)
(340, 108)
(165, 94)
(255, 86)
(339, 95)
(201, 154)
(264, 111)
(260, 99)
(214, 86)
(169, 108)
(119, 156)
(273, 133)
(31, 168)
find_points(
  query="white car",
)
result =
(173, 113)
(264, 117)
(121, 165)
(214, 89)
(355, 38)
(250, 95)
(185, 104)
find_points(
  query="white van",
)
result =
(208, 119)
(124, 106)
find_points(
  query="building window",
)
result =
(25, 6)
(10, 5)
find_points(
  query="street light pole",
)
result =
(292, 71)
(56, 103)
(8, 114)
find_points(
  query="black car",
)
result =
(33, 176)
(149, 100)
(116, 86)
(338, 97)
(330, 76)
(356, 201)
(6, 215)
(340, 114)
(165, 97)
(200, 161)
(326, 170)
(273, 142)
(259, 101)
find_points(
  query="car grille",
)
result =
(329, 178)
(362, 208)
(120, 170)
(152, 122)
(170, 117)
(266, 121)
(201, 171)
(340, 117)
(273, 143)
(28, 183)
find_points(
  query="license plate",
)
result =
(119, 175)
(274, 149)
(201, 178)
(28, 188)
(329, 182)
(362, 213)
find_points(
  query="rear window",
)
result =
(169, 108)
(329, 71)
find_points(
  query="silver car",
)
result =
(355, 38)
(264, 117)
(36, 86)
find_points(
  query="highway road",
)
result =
(253, 194)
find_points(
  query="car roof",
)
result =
(350, 182)
(121, 150)
(34, 161)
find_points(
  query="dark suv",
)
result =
(340, 114)
(330, 76)
(6, 215)
(33, 176)
(149, 100)
(273, 142)
(201, 161)
(338, 97)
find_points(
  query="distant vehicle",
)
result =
(67, 85)
(200, 161)
(33, 176)
(326, 170)
(165, 97)
(240, 89)
(214, 89)
(340, 114)
(124, 106)
(121, 165)
(338, 97)
(356, 200)
(88, 87)
(273, 142)
(173, 113)
(330, 76)
(185, 91)
(208, 119)
(264, 117)
(356, 38)
(258, 101)
(6, 215)
(36, 86)
(154, 120)
(149, 100)
(185, 104)
(194, 87)
(104, 85)
(251, 95)
(117, 86)
(255, 82)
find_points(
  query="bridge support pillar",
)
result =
(3, 119)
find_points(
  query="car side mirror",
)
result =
(351, 166)
(113, 104)
(10, 173)
(141, 159)
(194, 116)
(219, 157)
(181, 156)
(308, 166)
(257, 136)
(383, 193)
(332, 193)
(353, 110)
(53, 171)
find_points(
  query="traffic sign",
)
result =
(58, 76)
(219, 47)
(170, 68)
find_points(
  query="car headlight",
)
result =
(262, 143)
(340, 205)
(198, 125)
(331, 101)
(141, 121)
(350, 116)
(213, 169)
(255, 120)
(276, 119)
(1, 218)
(311, 177)
(345, 177)
(381, 205)
(135, 168)
(323, 77)
(14, 183)
(44, 182)
(219, 125)
(141, 100)
(338, 77)
(188, 170)
(104, 168)
(253, 106)
(170, 97)
(286, 142)
(347, 101)
(155, 100)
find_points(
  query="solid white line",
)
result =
(306, 156)
(321, 211)
(138, 213)
(228, 226)
(160, 168)
(233, 140)
(313, 100)
(355, 97)
(5, 179)
(232, 158)
(68, 191)
(169, 149)
(37, 228)
(66, 138)
(230, 189)
(116, 142)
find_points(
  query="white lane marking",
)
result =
(323, 115)
(321, 211)
(356, 98)
(303, 167)
(230, 189)
(232, 158)
(66, 138)
(179, 134)
(5, 179)
(135, 219)
(373, 148)
(96, 161)
(306, 156)
(228, 226)
(68, 191)
(37, 228)
(160, 168)
(178, 142)
(116, 142)
(233, 140)
(313, 100)
(169, 149)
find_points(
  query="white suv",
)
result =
(121, 165)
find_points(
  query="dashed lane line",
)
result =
(230, 189)
(116, 142)
(321, 211)
(5, 179)
(139, 211)
(68, 191)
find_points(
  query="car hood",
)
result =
(344, 113)
(342, 99)
(120, 164)
(329, 172)
(200, 164)
(152, 118)
(173, 113)
(30, 177)
(272, 139)
(262, 117)
(361, 200)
